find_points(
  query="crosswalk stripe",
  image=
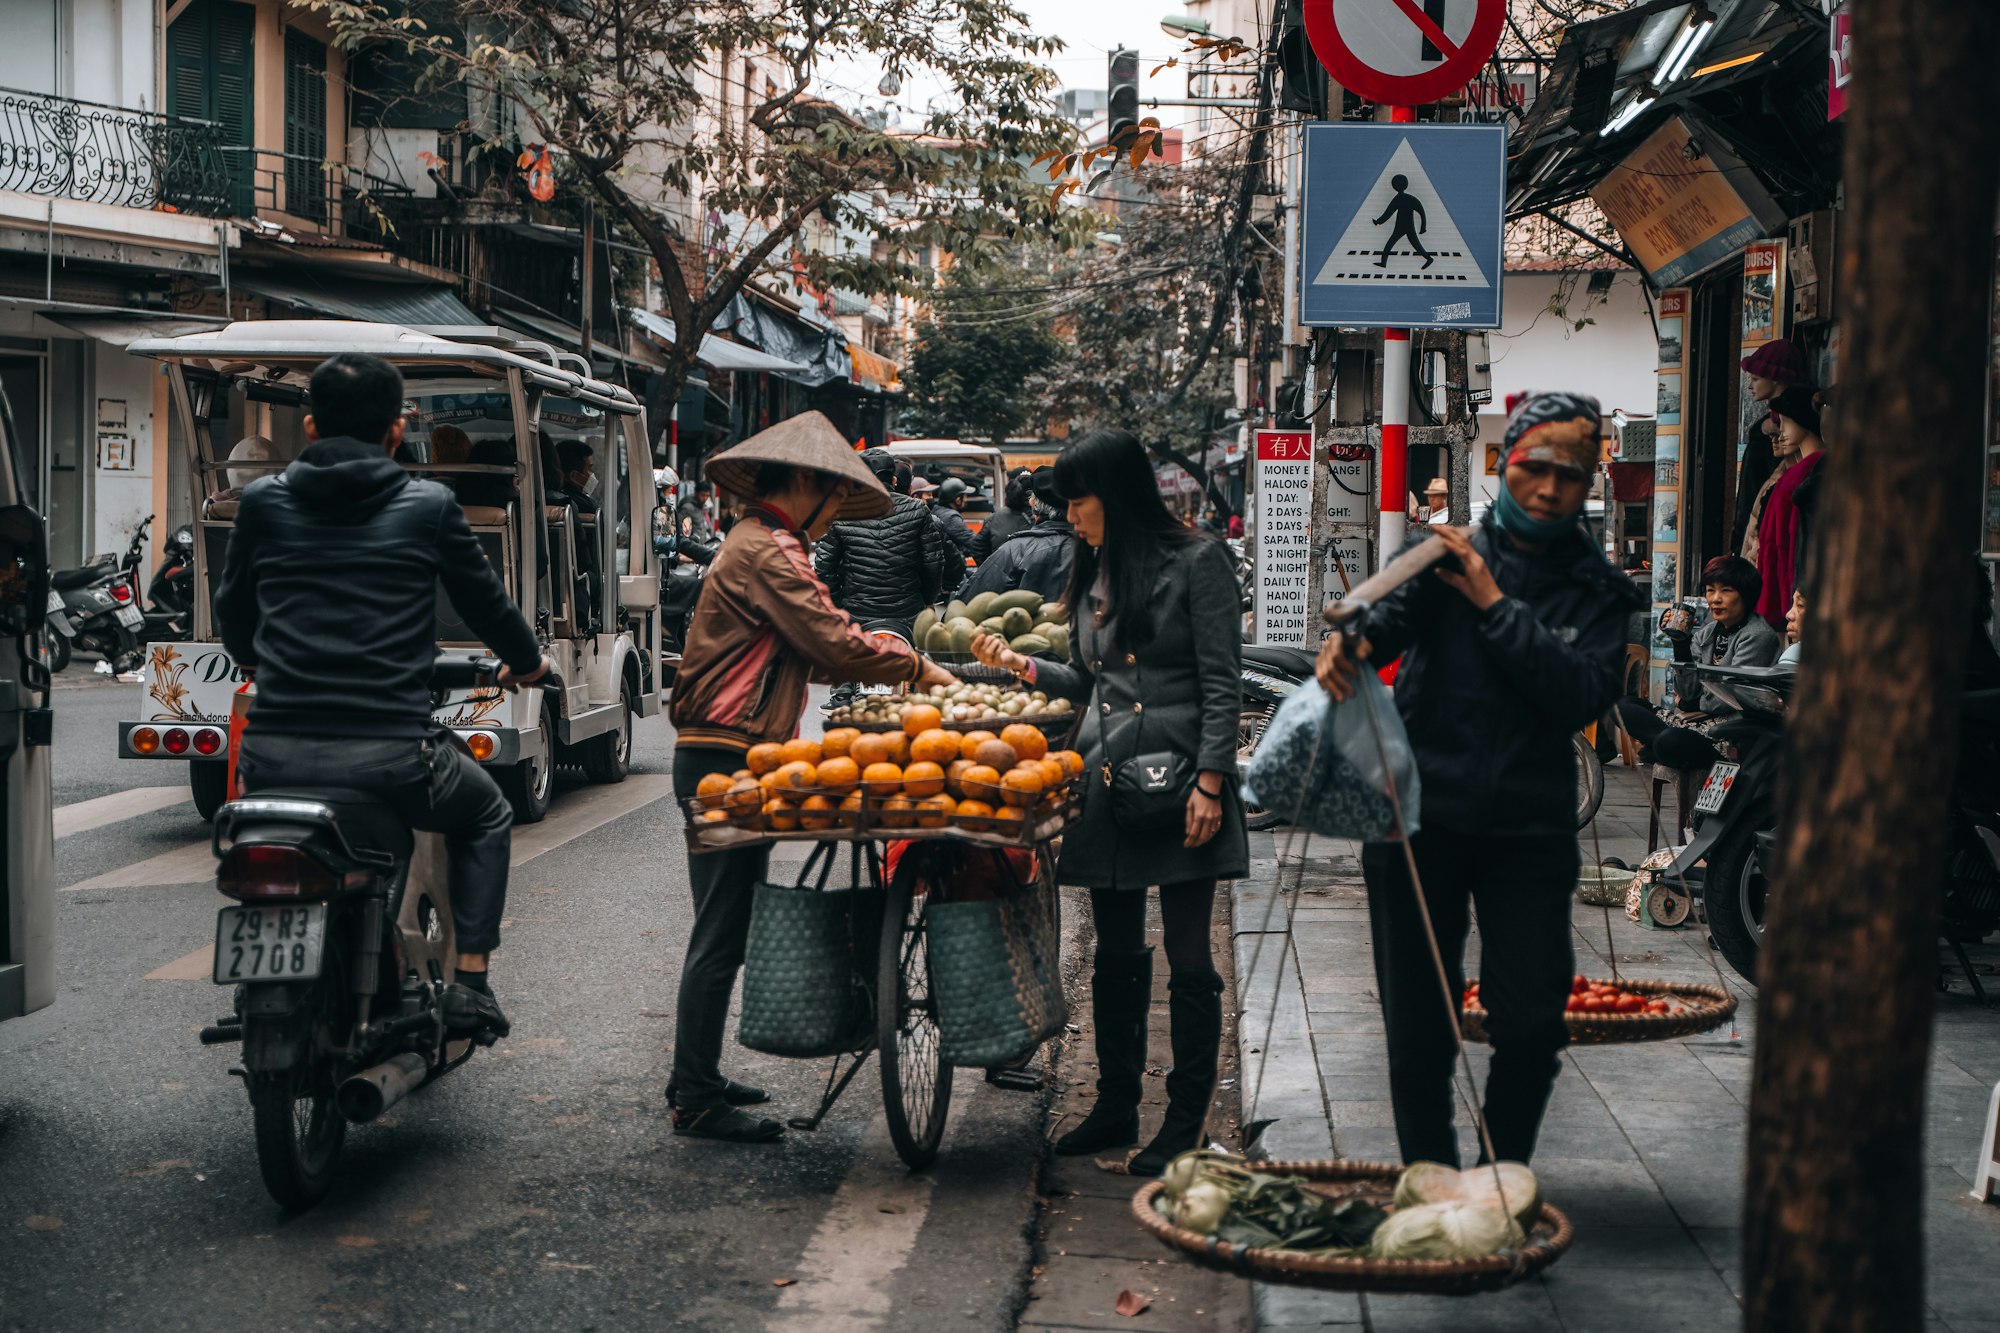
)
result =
(82, 816)
(576, 815)
(187, 864)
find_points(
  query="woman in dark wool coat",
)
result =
(1156, 667)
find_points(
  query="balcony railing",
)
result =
(336, 200)
(62, 148)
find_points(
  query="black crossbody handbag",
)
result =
(1149, 792)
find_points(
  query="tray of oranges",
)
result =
(1005, 788)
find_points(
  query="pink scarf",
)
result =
(1777, 538)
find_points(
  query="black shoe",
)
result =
(726, 1124)
(733, 1093)
(475, 1014)
(1121, 991)
(1194, 1006)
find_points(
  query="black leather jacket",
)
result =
(330, 592)
(887, 568)
(999, 529)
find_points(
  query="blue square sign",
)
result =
(1402, 226)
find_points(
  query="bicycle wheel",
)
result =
(916, 1083)
(1589, 780)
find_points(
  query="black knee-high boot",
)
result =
(1121, 991)
(1194, 1006)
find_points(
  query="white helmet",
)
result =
(665, 477)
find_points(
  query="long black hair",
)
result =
(1139, 532)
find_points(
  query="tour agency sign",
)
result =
(1284, 536)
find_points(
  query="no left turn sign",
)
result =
(1404, 52)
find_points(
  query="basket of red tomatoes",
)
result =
(1603, 1012)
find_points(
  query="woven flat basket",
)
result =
(1547, 1241)
(1703, 1008)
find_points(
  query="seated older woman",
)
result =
(1733, 635)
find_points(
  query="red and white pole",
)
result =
(1394, 465)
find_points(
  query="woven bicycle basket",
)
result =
(997, 976)
(1702, 1008)
(806, 967)
(1548, 1239)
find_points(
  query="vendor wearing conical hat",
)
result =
(764, 628)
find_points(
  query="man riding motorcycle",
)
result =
(328, 596)
(950, 515)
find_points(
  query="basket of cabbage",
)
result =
(1356, 1226)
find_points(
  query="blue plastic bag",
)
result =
(1319, 764)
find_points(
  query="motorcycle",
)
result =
(339, 947)
(95, 609)
(170, 594)
(681, 568)
(1270, 676)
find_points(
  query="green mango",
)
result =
(1016, 622)
(1025, 598)
(1031, 645)
(938, 639)
(956, 611)
(992, 625)
(962, 632)
(981, 606)
(926, 618)
(1053, 613)
(1058, 637)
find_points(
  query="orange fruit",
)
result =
(713, 816)
(836, 742)
(839, 775)
(1028, 742)
(764, 758)
(868, 748)
(816, 812)
(1008, 818)
(1071, 761)
(884, 779)
(981, 782)
(899, 747)
(975, 814)
(935, 811)
(936, 746)
(996, 754)
(898, 812)
(1053, 774)
(744, 795)
(920, 718)
(954, 776)
(799, 750)
(1021, 786)
(923, 778)
(781, 816)
(796, 775)
(969, 743)
(850, 809)
(713, 785)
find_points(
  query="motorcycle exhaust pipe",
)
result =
(372, 1091)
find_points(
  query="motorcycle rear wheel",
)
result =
(59, 651)
(299, 1136)
(209, 780)
(1732, 897)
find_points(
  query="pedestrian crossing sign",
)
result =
(1402, 226)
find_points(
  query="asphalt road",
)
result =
(539, 1187)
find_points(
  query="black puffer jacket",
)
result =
(330, 592)
(1491, 698)
(996, 531)
(887, 568)
(1039, 558)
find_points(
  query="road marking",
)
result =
(183, 865)
(197, 966)
(82, 816)
(575, 816)
(845, 1274)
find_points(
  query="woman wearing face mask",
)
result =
(764, 628)
(1503, 658)
(1156, 666)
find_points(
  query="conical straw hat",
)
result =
(808, 441)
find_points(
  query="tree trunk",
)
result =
(1834, 1217)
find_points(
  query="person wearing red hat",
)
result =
(1771, 369)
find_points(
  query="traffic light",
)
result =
(1123, 101)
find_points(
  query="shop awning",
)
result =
(570, 338)
(121, 331)
(357, 298)
(874, 372)
(718, 353)
(820, 352)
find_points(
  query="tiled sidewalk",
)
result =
(1642, 1146)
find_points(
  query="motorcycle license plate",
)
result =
(55, 601)
(269, 943)
(131, 617)
(1720, 779)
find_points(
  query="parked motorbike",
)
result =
(95, 609)
(170, 613)
(1270, 676)
(339, 948)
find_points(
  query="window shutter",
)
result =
(305, 125)
(210, 72)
